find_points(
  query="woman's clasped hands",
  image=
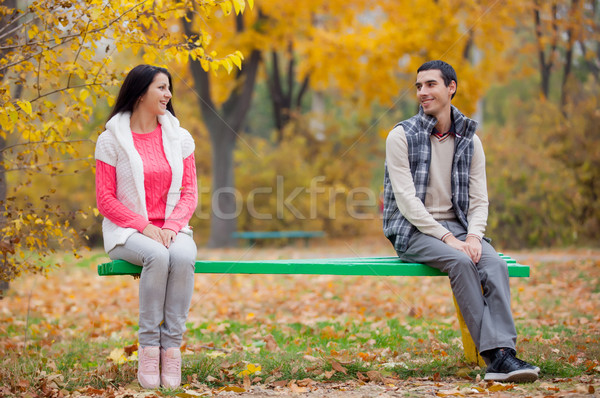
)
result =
(163, 236)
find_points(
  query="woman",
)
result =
(146, 190)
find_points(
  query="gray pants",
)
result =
(166, 286)
(488, 316)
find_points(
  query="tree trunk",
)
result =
(4, 278)
(224, 209)
(283, 100)
(546, 60)
(224, 126)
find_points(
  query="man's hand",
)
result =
(162, 236)
(472, 246)
(475, 248)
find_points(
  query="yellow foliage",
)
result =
(369, 53)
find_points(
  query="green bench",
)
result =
(253, 236)
(374, 266)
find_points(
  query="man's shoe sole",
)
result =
(518, 376)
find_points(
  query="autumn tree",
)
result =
(224, 120)
(358, 53)
(56, 63)
(566, 35)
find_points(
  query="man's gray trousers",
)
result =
(488, 316)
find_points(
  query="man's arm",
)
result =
(411, 207)
(478, 202)
(478, 195)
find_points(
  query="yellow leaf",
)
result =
(14, 116)
(239, 54)
(251, 4)
(500, 387)
(25, 106)
(214, 66)
(227, 64)
(226, 7)
(84, 94)
(4, 122)
(253, 368)
(231, 388)
(205, 64)
(236, 60)
(239, 6)
(95, 211)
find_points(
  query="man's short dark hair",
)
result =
(447, 71)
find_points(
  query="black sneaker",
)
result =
(506, 367)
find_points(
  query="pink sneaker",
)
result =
(171, 367)
(148, 370)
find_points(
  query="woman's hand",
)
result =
(168, 236)
(162, 236)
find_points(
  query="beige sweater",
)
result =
(438, 201)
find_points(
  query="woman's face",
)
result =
(157, 96)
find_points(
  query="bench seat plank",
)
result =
(378, 266)
(277, 234)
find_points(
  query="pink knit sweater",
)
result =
(157, 180)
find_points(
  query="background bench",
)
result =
(252, 236)
(374, 266)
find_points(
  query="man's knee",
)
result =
(459, 264)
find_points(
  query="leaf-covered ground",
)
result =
(73, 333)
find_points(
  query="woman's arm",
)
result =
(108, 204)
(188, 201)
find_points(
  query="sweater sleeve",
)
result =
(108, 204)
(183, 211)
(478, 196)
(411, 207)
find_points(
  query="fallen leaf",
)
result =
(447, 393)
(231, 388)
(130, 349)
(337, 367)
(271, 343)
(295, 389)
(495, 387)
(305, 382)
(280, 383)
(375, 376)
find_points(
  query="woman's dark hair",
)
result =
(447, 71)
(135, 86)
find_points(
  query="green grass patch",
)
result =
(415, 348)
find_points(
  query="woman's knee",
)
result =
(183, 260)
(158, 257)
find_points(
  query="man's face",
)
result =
(432, 93)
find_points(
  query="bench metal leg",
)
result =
(471, 353)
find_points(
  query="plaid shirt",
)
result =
(418, 130)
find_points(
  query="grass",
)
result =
(418, 348)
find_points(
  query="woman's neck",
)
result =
(143, 122)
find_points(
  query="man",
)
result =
(435, 212)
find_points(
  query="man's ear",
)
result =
(452, 87)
